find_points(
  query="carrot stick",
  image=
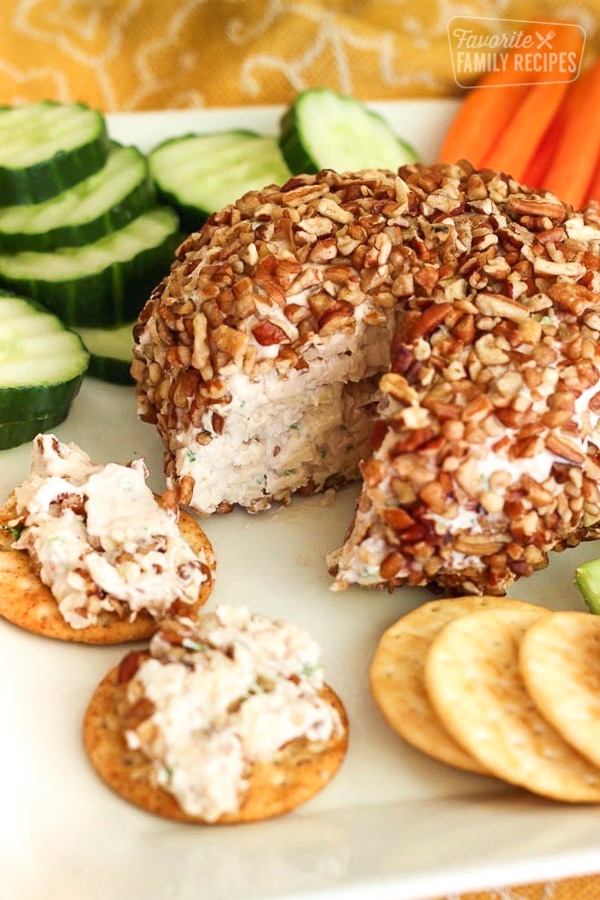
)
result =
(516, 148)
(593, 191)
(537, 169)
(486, 117)
(573, 169)
(480, 119)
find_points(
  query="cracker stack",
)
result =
(498, 687)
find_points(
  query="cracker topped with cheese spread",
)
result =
(89, 554)
(226, 719)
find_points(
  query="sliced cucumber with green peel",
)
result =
(587, 579)
(13, 434)
(42, 365)
(105, 201)
(47, 147)
(323, 129)
(201, 173)
(111, 352)
(102, 284)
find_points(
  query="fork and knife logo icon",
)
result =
(545, 40)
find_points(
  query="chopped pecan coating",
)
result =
(485, 449)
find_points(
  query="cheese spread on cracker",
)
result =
(218, 695)
(98, 538)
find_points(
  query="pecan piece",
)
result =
(575, 298)
(338, 316)
(479, 544)
(268, 333)
(553, 210)
(428, 321)
(129, 666)
(503, 307)
(398, 518)
(564, 448)
(391, 565)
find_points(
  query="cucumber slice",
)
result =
(42, 365)
(201, 173)
(111, 352)
(13, 434)
(102, 284)
(587, 579)
(105, 201)
(326, 130)
(47, 147)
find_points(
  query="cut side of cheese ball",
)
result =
(258, 357)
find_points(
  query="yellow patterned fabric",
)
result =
(152, 54)
(123, 55)
(570, 889)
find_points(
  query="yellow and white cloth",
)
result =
(156, 54)
(123, 55)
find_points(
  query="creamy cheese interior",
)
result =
(99, 539)
(280, 434)
(226, 691)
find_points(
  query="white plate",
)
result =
(393, 825)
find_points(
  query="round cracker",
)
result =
(397, 676)
(300, 770)
(27, 602)
(560, 665)
(473, 679)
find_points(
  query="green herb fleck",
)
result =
(190, 644)
(15, 530)
(309, 670)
